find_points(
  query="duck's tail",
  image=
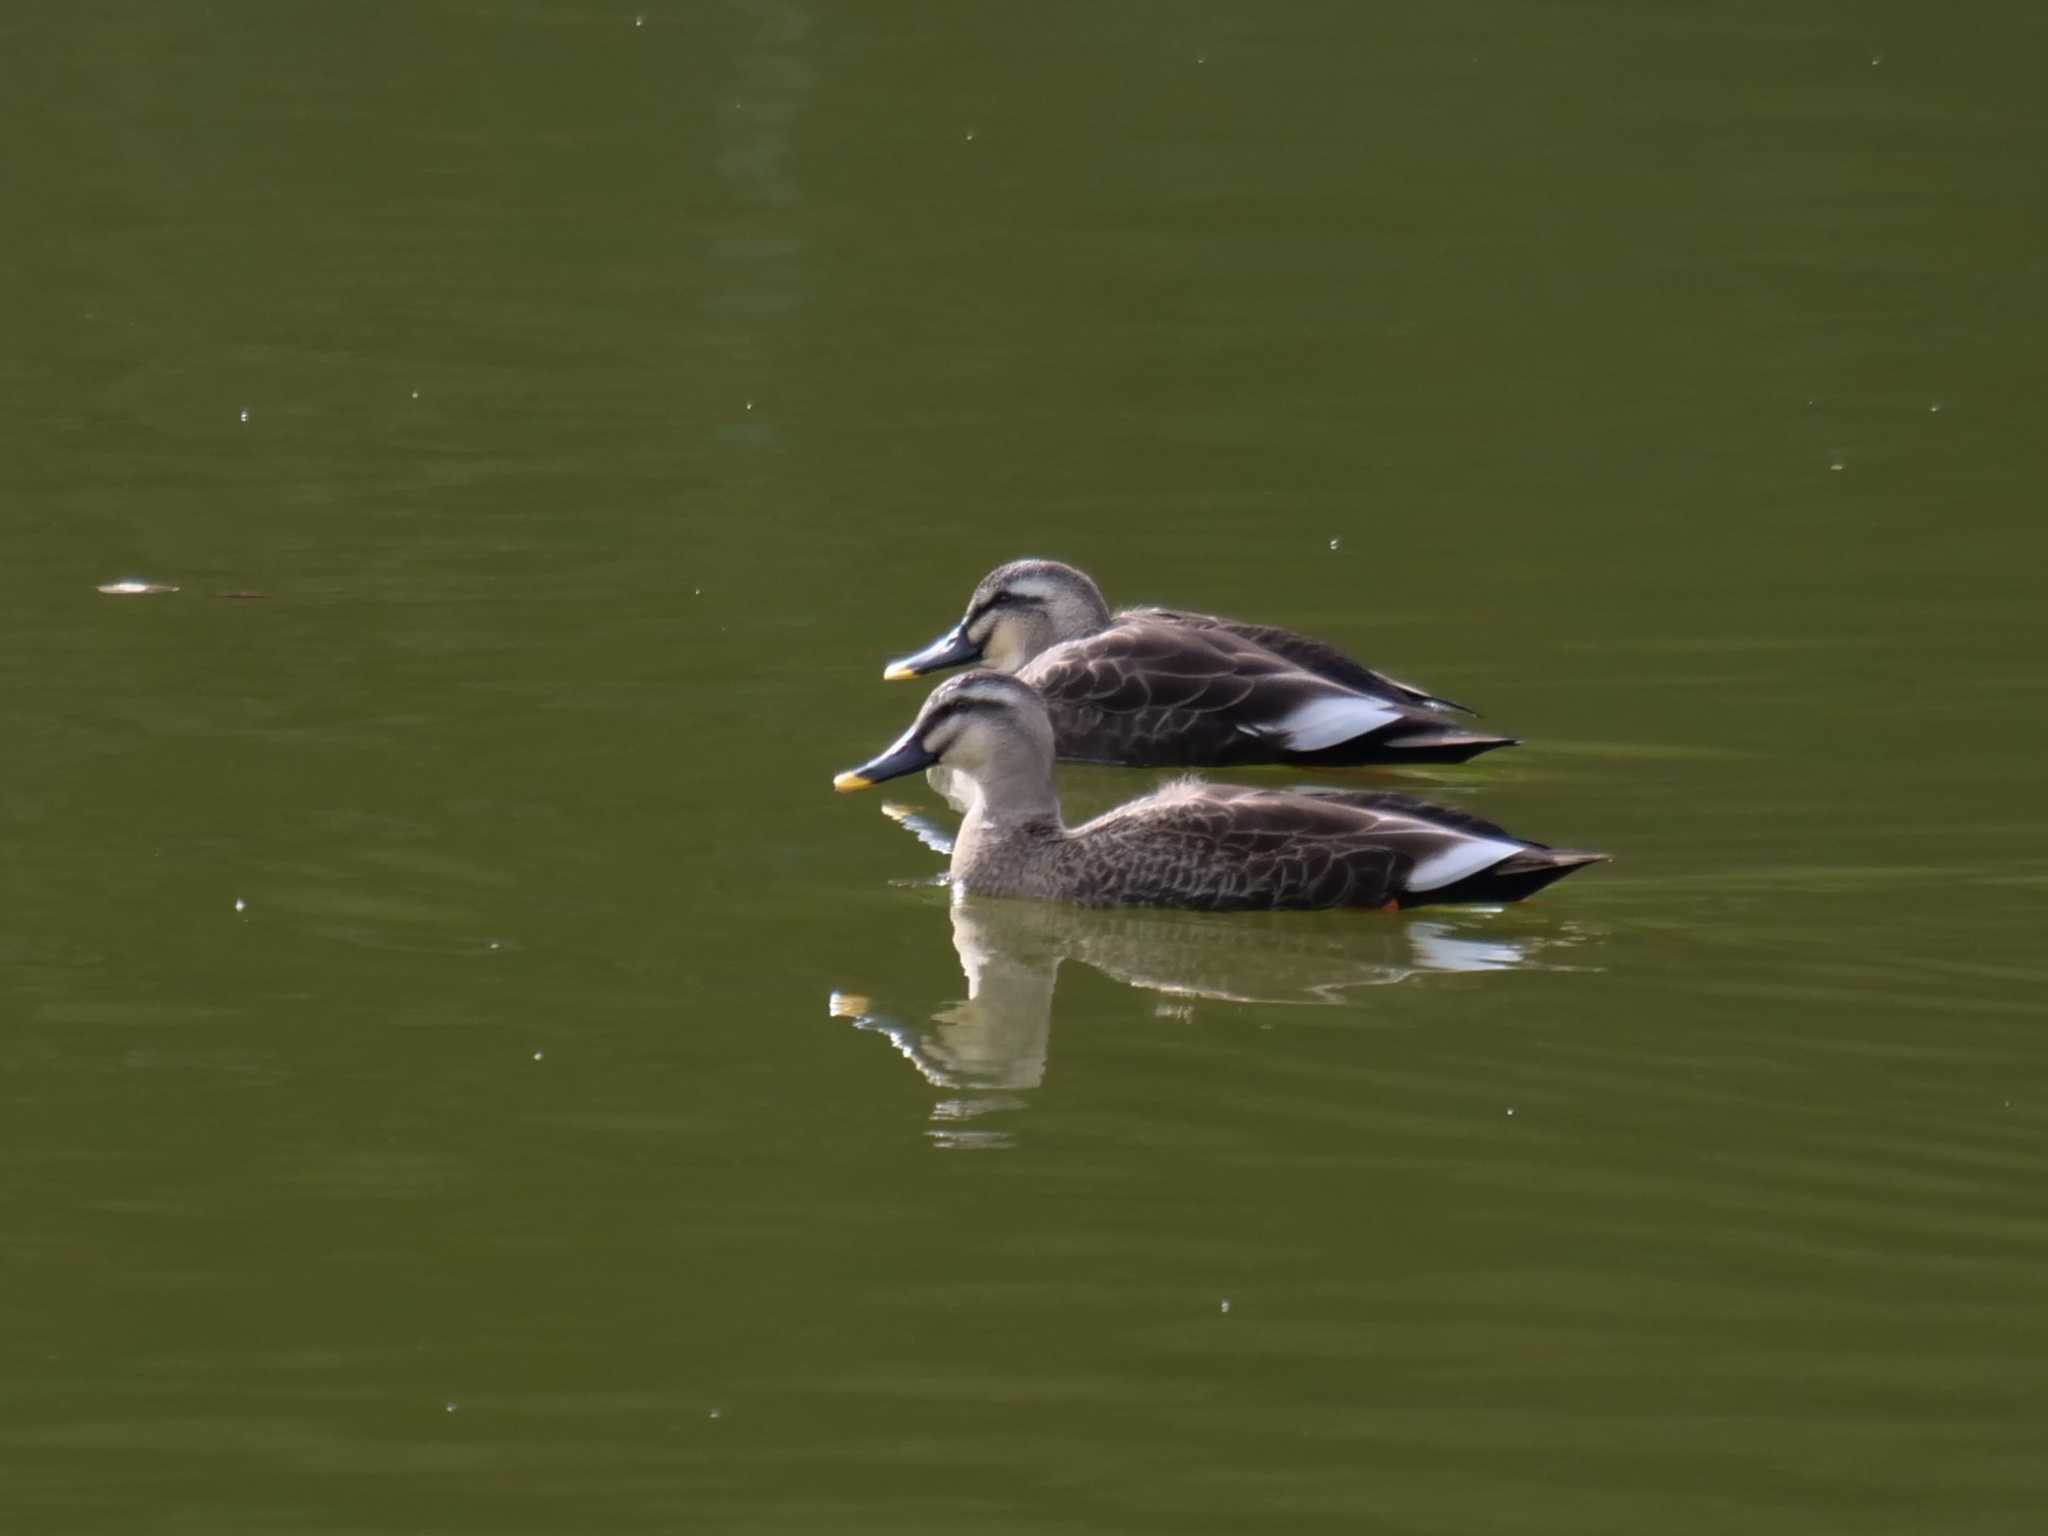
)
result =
(1518, 875)
(1429, 745)
(1435, 700)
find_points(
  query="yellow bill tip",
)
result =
(846, 783)
(848, 1005)
(896, 672)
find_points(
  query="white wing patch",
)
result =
(1325, 722)
(1465, 857)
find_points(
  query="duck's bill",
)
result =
(951, 649)
(906, 756)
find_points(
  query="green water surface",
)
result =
(465, 1072)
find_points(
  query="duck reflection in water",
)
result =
(989, 1051)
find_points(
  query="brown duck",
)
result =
(1216, 847)
(1155, 687)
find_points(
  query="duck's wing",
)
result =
(1202, 845)
(1188, 848)
(1393, 802)
(1531, 867)
(1152, 691)
(1310, 654)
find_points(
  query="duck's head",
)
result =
(1019, 609)
(985, 725)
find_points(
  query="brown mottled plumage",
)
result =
(1209, 846)
(1156, 687)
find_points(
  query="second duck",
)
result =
(1156, 687)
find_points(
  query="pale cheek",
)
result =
(967, 754)
(1004, 651)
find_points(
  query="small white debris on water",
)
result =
(241, 905)
(415, 394)
(1935, 406)
(537, 1055)
(245, 414)
(134, 588)
(1837, 465)
(716, 1413)
(1511, 1111)
(639, 21)
(750, 405)
(970, 135)
(696, 591)
(1336, 543)
(1225, 1305)
(450, 1407)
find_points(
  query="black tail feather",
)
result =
(1434, 746)
(1519, 875)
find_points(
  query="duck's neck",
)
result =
(1010, 798)
(1080, 620)
(1082, 613)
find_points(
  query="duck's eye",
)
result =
(990, 604)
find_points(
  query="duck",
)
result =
(1158, 687)
(1192, 844)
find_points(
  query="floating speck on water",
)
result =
(716, 1413)
(494, 944)
(1511, 1111)
(450, 1407)
(538, 1055)
(241, 905)
(639, 21)
(970, 135)
(750, 405)
(415, 394)
(1201, 58)
(1876, 59)
(1934, 406)
(245, 415)
(135, 588)
(1224, 1305)
(1838, 465)
(1336, 543)
(696, 591)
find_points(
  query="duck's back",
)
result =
(1225, 847)
(1221, 848)
(1151, 695)
(1154, 692)
(1310, 654)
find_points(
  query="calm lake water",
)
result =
(467, 1073)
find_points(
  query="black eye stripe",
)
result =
(953, 709)
(988, 605)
